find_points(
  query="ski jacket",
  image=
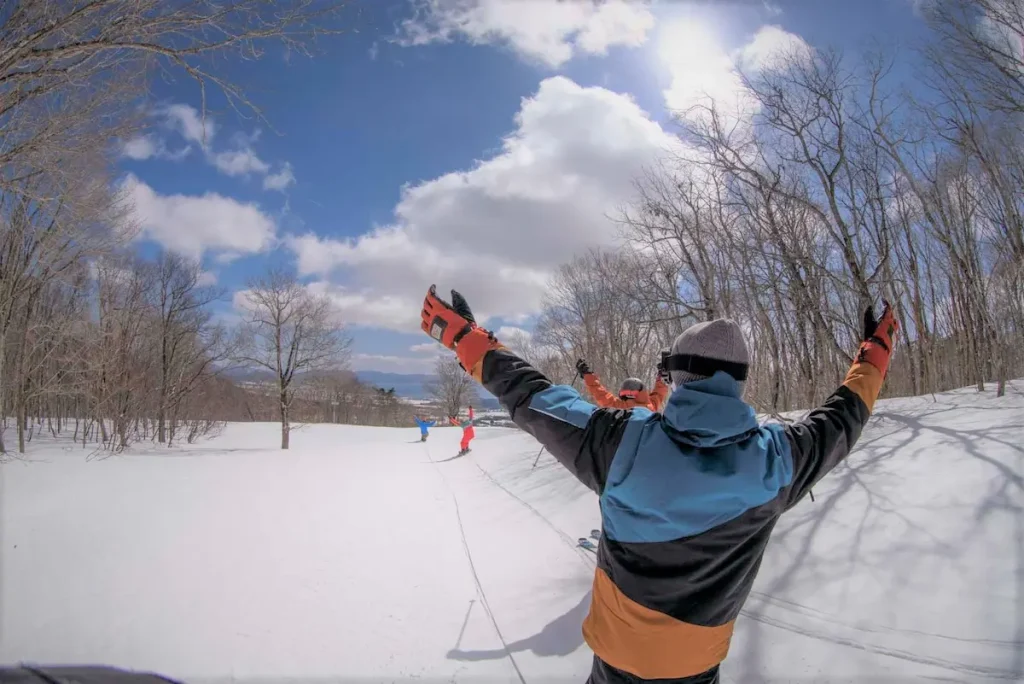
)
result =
(659, 395)
(688, 500)
(424, 424)
(605, 399)
(465, 424)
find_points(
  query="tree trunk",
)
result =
(162, 411)
(22, 417)
(285, 427)
(3, 402)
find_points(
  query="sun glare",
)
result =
(687, 43)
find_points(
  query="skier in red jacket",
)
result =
(468, 433)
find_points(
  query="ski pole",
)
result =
(537, 460)
(811, 492)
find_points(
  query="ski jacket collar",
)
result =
(708, 413)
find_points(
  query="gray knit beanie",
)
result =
(720, 339)
(632, 385)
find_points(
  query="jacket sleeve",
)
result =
(659, 395)
(581, 436)
(431, 423)
(828, 434)
(601, 396)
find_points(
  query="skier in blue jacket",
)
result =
(425, 426)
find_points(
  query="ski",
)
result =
(587, 544)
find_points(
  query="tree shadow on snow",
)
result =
(919, 546)
(560, 637)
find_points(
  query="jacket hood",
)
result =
(708, 413)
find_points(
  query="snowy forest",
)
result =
(827, 187)
(824, 188)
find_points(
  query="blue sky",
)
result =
(472, 143)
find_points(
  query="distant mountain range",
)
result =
(411, 385)
(407, 385)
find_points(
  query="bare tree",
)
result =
(452, 387)
(594, 311)
(290, 332)
(980, 49)
(72, 70)
(47, 240)
(190, 347)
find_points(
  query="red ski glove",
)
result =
(878, 336)
(446, 323)
(453, 326)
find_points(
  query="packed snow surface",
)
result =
(362, 553)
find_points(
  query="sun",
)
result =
(685, 44)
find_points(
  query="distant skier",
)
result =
(468, 433)
(631, 392)
(689, 497)
(424, 426)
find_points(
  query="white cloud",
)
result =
(545, 31)
(425, 348)
(507, 332)
(702, 70)
(770, 46)
(189, 122)
(143, 147)
(237, 159)
(497, 230)
(192, 225)
(280, 180)
(240, 162)
(372, 307)
(392, 364)
(207, 278)
(140, 147)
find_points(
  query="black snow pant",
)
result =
(603, 673)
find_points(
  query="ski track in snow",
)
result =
(472, 566)
(584, 556)
(909, 565)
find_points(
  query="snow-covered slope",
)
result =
(362, 553)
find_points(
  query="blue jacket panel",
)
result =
(705, 461)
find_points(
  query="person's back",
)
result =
(681, 488)
(688, 498)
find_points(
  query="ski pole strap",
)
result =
(706, 366)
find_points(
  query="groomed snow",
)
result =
(362, 553)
